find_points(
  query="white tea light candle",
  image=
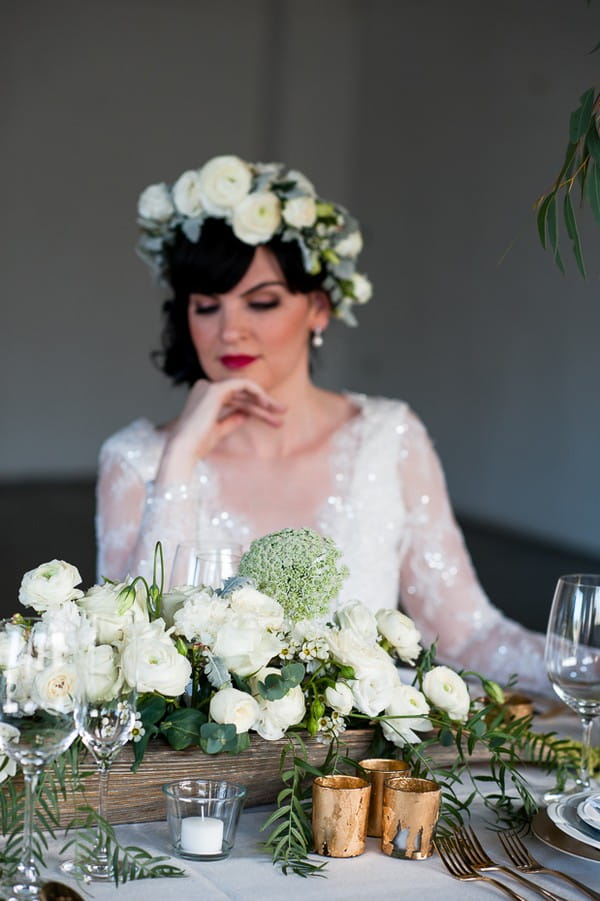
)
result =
(202, 835)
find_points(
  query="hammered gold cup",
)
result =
(340, 810)
(376, 771)
(411, 808)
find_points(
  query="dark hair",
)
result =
(214, 265)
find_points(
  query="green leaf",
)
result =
(293, 673)
(217, 737)
(573, 232)
(593, 189)
(592, 142)
(182, 727)
(580, 118)
(542, 219)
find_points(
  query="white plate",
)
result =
(589, 811)
(564, 815)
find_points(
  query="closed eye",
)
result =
(204, 309)
(263, 304)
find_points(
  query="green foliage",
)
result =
(217, 737)
(182, 727)
(277, 685)
(151, 709)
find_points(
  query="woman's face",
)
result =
(259, 330)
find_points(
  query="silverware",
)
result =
(458, 867)
(524, 861)
(58, 891)
(480, 860)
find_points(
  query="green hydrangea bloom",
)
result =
(297, 567)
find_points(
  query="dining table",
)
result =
(248, 872)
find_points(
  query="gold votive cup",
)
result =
(376, 771)
(340, 808)
(411, 808)
(515, 707)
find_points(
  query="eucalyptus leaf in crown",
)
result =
(259, 201)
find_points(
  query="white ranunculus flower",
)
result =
(358, 619)
(339, 698)
(12, 645)
(244, 645)
(350, 246)
(102, 603)
(362, 289)
(54, 687)
(266, 610)
(448, 691)
(201, 616)
(257, 217)
(65, 630)
(155, 203)
(224, 182)
(345, 647)
(230, 705)
(300, 212)
(302, 182)
(410, 707)
(186, 193)
(376, 679)
(8, 766)
(276, 717)
(50, 585)
(401, 633)
(174, 599)
(151, 662)
(102, 679)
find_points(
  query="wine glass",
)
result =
(37, 681)
(573, 657)
(204, 564)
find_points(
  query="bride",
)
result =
(257, 264)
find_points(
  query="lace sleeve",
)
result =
(439, 588)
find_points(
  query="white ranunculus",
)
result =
(302, 182)
(151, 662)
(102, 603)
(244, 645)
(362, 289)
(155, 203)
(401, 633)
(358, 619)
(339, 698)
(12, 645)
(350, 246)
(186, 193)
(448, 691)
(407, 712)
(223, 183)
(266, 610)
(8, 766)
(174, 599)
(257, 217)
(345, 647)
(300, 212)
(230, 705)
(276, 717)
(63, 631)
(54, 687)
(376, 679)
(201, 616)
(50, 585)
(102, 679)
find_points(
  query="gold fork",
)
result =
(458, 867)
(520, 855)
(480, 860)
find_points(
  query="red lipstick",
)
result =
(236, 361)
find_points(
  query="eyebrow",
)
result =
(263, 285)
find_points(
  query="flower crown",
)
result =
(258, 201)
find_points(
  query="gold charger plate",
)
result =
(547, 832)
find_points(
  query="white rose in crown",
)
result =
(155, 204)
(339, 697)
(230, 705)
(362, 289)
(151, 662)
(102, 677)
(407, 712)
(257, 217)
(358, 620)
(401, 632)
(48, 586)
(276, 717)
(244, 646)
(103, 604)
(201, 617)
(350, 246)
(53, 688)
(186, 194)
(300, 212)
(448, 691)
(223, 183)
(264, 609)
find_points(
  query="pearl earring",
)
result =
(317, 338)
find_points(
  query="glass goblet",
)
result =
(204, 564)
(37, 680)
(573, 657)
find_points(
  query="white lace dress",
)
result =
(387, 508)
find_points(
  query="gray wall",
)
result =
(437, 123)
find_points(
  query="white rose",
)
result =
(257, 217)
(229, 705)
(151, 662)
(448, 691)
(54, 687)
(345, 647)
(8, 766)
(339, 698)
(411, 708)
(358, 619)
(350, 246)
(376, 678)
(300, 212)
(362, 289)
(102, 679)
(276, 717)
(223, 183)
(266, 610)
(155, 203)
(201, 617)
(302, 182)
(102, 604)
(401, 633)
(186, 194)
(50, 585)
(244, 645)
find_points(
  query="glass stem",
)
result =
(27, 873)
(587, 723)
(101, 850)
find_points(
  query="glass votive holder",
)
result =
(376, 770)
(340, 809)
(202, 816)
(411, 808)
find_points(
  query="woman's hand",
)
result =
(212, 411)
